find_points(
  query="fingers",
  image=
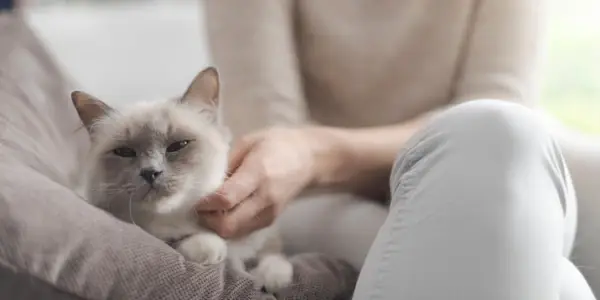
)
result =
(239, 186)
(250, 215)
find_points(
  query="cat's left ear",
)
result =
(204, 90)
(89, 109)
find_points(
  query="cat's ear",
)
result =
(204, 90)
(89, 108)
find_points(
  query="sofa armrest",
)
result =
(582, 154)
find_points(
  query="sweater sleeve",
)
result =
(503, 52)
(252, 43)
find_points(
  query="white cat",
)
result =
(150, 163)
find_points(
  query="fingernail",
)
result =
(209, 198)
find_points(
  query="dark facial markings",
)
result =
(124, 152)
(176, 146)
(160, 153)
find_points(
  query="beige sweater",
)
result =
(366, 63)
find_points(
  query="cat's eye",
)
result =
(174, 147)
(124, 152)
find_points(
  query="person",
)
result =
(426, 104)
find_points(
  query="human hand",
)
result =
(267, 169)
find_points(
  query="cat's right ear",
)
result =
(204, 90)
(89, 108)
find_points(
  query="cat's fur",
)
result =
(143, 133)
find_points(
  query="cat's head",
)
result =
(157, 154)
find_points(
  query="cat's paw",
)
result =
(204, 248)
(274, 272)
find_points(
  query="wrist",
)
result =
(331, 156)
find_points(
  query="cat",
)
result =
(151, 163)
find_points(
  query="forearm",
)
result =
(360, 160)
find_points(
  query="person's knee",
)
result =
(487, 137)
(492, 126)
(478, 134)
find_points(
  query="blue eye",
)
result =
(124, 152)
(174, 147)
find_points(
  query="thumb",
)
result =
(237, 187)
(239, 151)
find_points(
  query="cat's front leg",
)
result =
(274, 271)
(205, 248)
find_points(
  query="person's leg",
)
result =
(573, 284)
(338, 225)
(482, 208)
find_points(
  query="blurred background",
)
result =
(571, 87)
(163, 42)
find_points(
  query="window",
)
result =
(571, 87)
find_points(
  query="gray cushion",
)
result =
(53, 245)
(14, 285)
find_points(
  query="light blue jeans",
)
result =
(482, 208)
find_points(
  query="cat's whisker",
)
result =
(104, 190)
(103, 185)
(113, 190)
(131, 208)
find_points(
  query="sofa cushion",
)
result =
(52, 243)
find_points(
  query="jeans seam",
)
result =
(401, 191)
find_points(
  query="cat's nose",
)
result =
(150, 174)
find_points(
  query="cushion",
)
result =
(53, 245)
